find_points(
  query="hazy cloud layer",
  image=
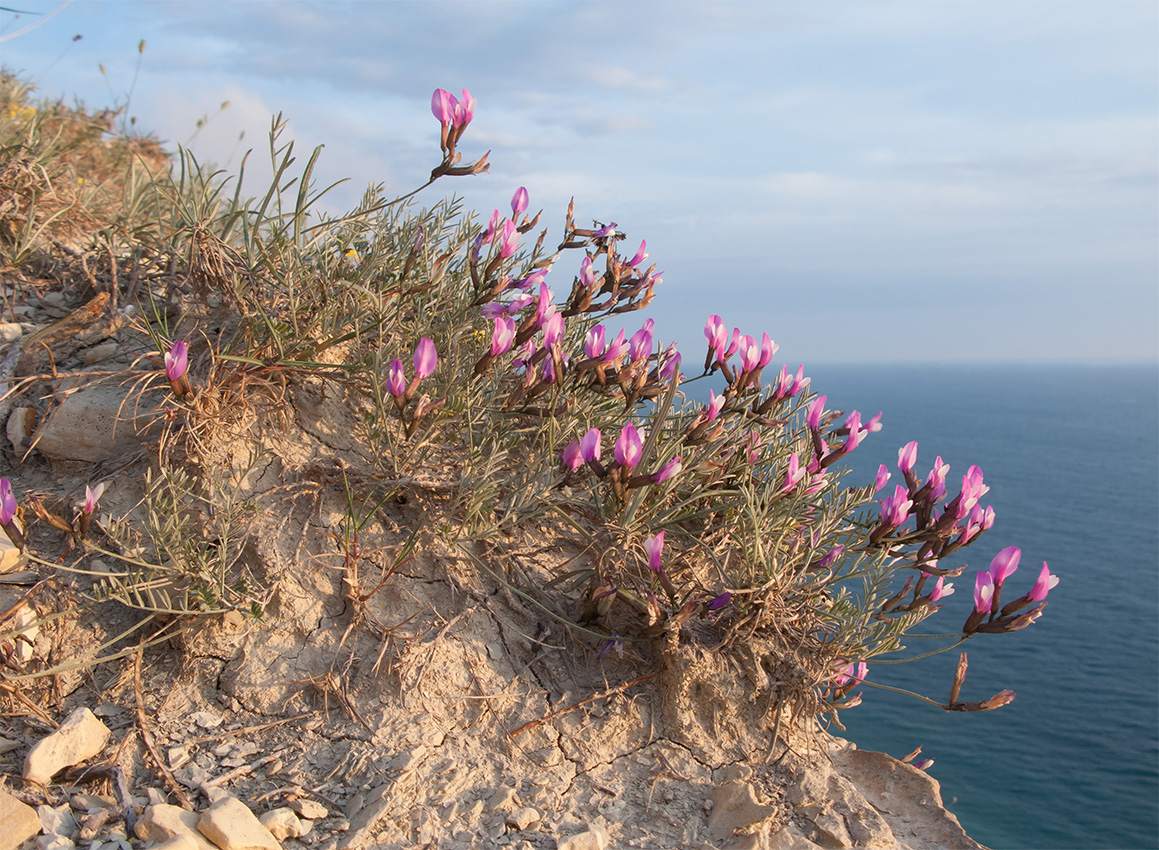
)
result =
(854, 178)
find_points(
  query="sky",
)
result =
(864, 181)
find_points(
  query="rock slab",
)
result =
(80, 737)
(232, 826)
(20, 821)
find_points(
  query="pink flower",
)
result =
(654, 548)
(924, 764)
(552, 330)
(941, 590)
(754, 446)
(571, 456)
(851, 673)
(895, 509)
(750, 353)
(716, 333)
(464, 109)
(508, 238)
(768, 349)
(1004, 564)
(594, 343)
(640, 345)
(7, 502)
(983, 592)
(443, 105)
(788, 385)
(543, 306)
(629, 446)
(425, 358)
(1046, 582)
(606, 230)
(793, 474)
(587, 275)
(519, 202)
(503, 336)
(640, 256)
(856, 434)
(874, 424)
(883, 475)
(92, 496)
(616, 348)
(396, 380)
(715, 403)
(973, 489)
(176, 360)
(937, 478)
(667, 470)
(590, 445)
(671, 368)
(907, 456)
(813, 418)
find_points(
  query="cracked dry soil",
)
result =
(433, 705)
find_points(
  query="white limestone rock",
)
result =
(82, 736)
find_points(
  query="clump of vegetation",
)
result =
(475, 347)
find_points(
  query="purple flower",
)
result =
(788, 385)
(1046, 582)
(667, 470)
(1004, 564)
(874, 424)
(640, 255)
(594, 343)
(983, 592)
(571, 456)
(503, 336)
(924, 764)
(176, 361)
(654, 548)
(606, 230)
(425, 358)
(629, 446)
(396, 380)
(883, 476)
(519, 202)
(7, 502)
(718, 602)
(590, 445)
(907, 456)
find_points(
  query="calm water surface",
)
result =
(1071, 455)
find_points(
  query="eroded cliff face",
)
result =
(432, 701)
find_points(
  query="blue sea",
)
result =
(1071, 454)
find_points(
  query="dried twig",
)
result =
(609, 692)
(147, 736)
